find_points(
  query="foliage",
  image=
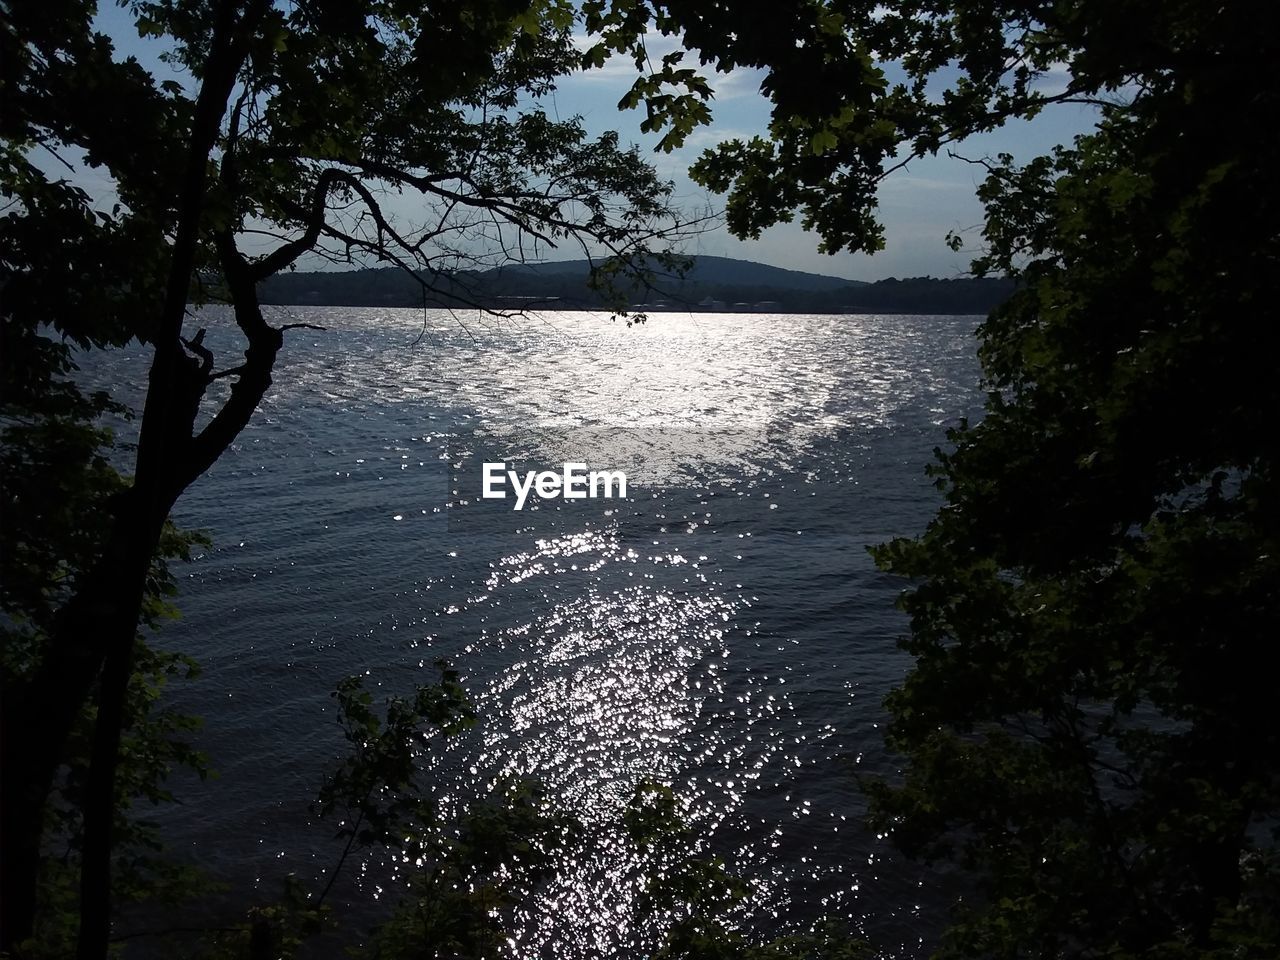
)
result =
(705, 902)
(378, 783)
(469, 879)
(295, 122)
(55, 479)
(838, 125)
(1085, 723)
(464, 879)
(460, 877)
(58, 481)
(465, 875)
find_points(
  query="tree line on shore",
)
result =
(571, 289)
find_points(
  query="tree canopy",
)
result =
(1086, 724)
(296, 121)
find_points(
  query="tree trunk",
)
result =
(100, 807)
(98, 626)
(99, 623)
(39, 717)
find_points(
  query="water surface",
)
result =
(722, 630)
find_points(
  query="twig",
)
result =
(226, 373)
(196, 346)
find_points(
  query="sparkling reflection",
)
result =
(721, 630)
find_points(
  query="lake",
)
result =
(721, 630)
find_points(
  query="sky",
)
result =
(919, 205)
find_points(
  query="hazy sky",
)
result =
(919, 205)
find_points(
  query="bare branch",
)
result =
(196, 346)
(234, 371)
(280, 258)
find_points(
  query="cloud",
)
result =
(620, 69)
(1053, 81)
(904, 183)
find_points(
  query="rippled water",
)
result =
(721, 630)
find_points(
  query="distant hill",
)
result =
(705, 271)
(712, 283)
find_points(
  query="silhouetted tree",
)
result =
(1088, 722)
(301, 120)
